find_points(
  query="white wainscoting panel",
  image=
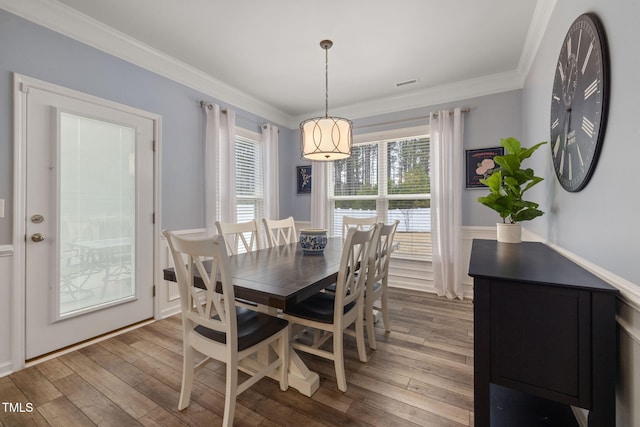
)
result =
(628, 319)
(411, 274)
(6, 284)
(628, 387)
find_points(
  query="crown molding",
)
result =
(487, 85)
(71, 23)
(537, 28)
(67, 21)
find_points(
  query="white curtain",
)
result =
(271, 194)
(446, 194)
(319, 217)
(220, 166)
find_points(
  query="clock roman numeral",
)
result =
(591, 89)
(561, 71)
(580, 156)
(569, 48)
(586, 58)
(578, 47)
(555, 123)
(556, 147)
(587, 127)
(570, 169)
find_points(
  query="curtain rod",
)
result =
(205, 104)
(391, 122)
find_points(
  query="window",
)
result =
(388, 178)
(248, 176)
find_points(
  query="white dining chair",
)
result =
(217, 328)
(377, 278)
(280, 231)
(240, 236)
(333, 313)
(359, 223)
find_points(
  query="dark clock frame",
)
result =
(570, 129)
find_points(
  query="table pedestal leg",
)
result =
(300, 377)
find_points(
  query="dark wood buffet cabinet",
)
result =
(543, 325)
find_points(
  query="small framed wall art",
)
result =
(303, 174)
(479, 164)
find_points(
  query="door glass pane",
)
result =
(96, 214)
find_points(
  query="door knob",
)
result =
(37, 237)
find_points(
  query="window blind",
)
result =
(388, 179)
(248, 179)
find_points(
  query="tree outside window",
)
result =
(388, 179)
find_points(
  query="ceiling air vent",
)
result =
(406, 82)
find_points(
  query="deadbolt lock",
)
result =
(37, 218)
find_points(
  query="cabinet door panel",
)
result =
(540, 340)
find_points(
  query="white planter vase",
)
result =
(509, 233)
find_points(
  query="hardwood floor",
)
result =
(420, 375)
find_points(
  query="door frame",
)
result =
(21, 86)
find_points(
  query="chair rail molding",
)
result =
(6, 250)
(627, 318)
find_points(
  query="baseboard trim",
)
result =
(171, 311)
(6, 368)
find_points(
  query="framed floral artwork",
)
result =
(303, 174)
(479, 164)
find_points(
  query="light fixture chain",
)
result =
(326, 138)
(326, 82)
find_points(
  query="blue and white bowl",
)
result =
(313, 240)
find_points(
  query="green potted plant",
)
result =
(507, 185)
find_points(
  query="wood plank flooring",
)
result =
(420, 375)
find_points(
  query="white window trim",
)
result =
(384, 137)
(249, 134)
(391, 135)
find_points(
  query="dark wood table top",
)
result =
(281, 276)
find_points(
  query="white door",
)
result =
(89, 218)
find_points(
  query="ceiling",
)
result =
(265, 57)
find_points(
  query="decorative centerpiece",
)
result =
(507, 184)
(313, 240)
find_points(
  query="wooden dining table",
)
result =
(278, 277)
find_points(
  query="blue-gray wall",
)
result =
(34, 51)
(598, 223)
(491, 118)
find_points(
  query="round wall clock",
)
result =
(579, 102)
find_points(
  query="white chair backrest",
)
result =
(199, 305)
(357, 223)
(280, 231)
(246, 233)
(355, 254)
(379, 258)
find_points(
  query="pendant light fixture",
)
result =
(326, 138)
